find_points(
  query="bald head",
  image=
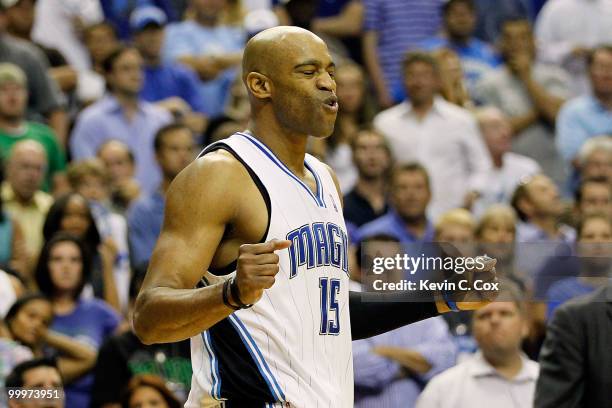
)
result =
(26, 168)
(267, 49)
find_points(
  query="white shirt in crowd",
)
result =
(54, 27)
(563, 25)
(7, 293)
(502, 181)
(476, 384)
(446, 142)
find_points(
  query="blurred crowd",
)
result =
(483, 124)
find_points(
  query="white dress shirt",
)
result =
(563, 25)
(476, 384)
(446, 142)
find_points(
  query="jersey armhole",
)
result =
(262, 189)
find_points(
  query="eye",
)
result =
(332, 74)
(308, 73)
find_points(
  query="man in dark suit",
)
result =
(575, 361)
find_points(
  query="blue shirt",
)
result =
(477, 57)
(379, 381)
(392, 224)
(172, 79)
(90, 322)
(145, 217)
(580, 119)
(401, 25)
(117, 12)
(104, 120)
(564, 290)
(191, 38)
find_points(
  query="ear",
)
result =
(259, 85)
(525, 206)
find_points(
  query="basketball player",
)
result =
(277, 332)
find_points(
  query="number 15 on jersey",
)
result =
(330, 311)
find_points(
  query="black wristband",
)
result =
(236, 294)
(226, 289)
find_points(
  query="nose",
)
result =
(326, 82)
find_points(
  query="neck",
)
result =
(547, 224)
(206, 20)
(10, 124)
(288, 146)
(128, 102)
(373, 190)
(498, 160)
(422, 108)
(23, 36)
(458, 40)
(151, 61)
(508, 365)
(21, 199)
(416, 225)
(63, 302)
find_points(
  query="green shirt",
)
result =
(45, 136)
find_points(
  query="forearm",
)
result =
(548, 105)
(375, 313)
(69, 347)
(205, 66)
(409, 359)
(347, 23)
(166, 315)
(58, 121)
(520, 123)
(110, 288)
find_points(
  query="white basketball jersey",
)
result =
(293, 347)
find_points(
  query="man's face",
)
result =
(20, 18)
(303, 88)
(497, 133)
(176, 152)
(460, 21)
(543, 197)
(601, 73)
(100, 43)
(43, 378)
(594, 244)
(350, 89)
(370, 155)
(26, 172)
(117, 160)
(410, 194)
(13, 100)
(499, 328)
(598, 165)
(595, 199)
(126, 75)
(421, 81)
(517, 38)
(149, 42)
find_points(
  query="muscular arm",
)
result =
(347, 23)
(168, 309)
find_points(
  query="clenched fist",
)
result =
(257, 268)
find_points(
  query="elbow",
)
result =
(142, 326)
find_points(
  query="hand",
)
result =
(482, 285)
(520, 64)
(128, 190)
(175, 105)
(108, 251)
(257, 268)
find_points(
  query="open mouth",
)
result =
(331, 103)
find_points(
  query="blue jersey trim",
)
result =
(263, 367)
(266, 151)
(215, 391)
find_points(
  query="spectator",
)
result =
(28, 322)
(212, 48)
(22, 197)
(61, 274)
(539, 207)
(220, 128)
(71, 214)
(442, 136)
(11, 354)
(390, 369)
(20, 20)
(575, 365)
(174, 150)
(122, 115)
(14, 126)
(37, 374)
(592, 249)
(101, 40)
(499, 374)
(368, 199)
(406, 220)
(568, 30)
(452, 84)
(148, 389)
(11, 287)
(595, 158)
(44, 99)
(169, 84)
(119, 161)
(353, 113)
(59, 23)
(530, 94)
(118, 12)
(390, 30)
(508, 168)
(491, 15)
(13, 253)
(477, 57)
(588, 115)
(90, 179)
(593, 196)
(123, 356)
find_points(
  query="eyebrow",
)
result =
(314, 62)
